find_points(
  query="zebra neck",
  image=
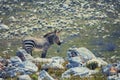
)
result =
(50, 40)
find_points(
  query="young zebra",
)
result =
(31, 43)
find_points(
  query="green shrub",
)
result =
(34, 77)
(92, 65)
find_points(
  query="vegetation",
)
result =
(34, 76)
(92, 65)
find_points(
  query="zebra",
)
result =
(43, 43)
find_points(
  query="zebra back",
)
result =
(32, 42)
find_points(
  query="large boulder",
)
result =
(77, 57)
(82, 52)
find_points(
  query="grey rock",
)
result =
(83, 52)
(56, 63)
(77, 71)
(15, 59)
(24, 77)
(1, 79)
(43, 75)
(30, 66)
(23, 55)
(3, 27)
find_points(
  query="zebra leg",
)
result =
(44, 52)
(29, 51)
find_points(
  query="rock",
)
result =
(118, 66)
(11, 73)
(24, 77)
(114, 77)
(42, 60)
(75, 62)
(12, 18)
(60, 60)
(56, 63)
(3, 27)
(82, 52)
(48, 60)
(23, 55)
(15, 66)
(111, 70)
(16, 1)
(105, 69)
(1, 79)
(30, 66)
(43, 75)
(15, 59)
(53, 65)
(77, 71)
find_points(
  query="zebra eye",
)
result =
(56, 39)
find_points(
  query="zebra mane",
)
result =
(46, 35)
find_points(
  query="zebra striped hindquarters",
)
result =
(31, 43)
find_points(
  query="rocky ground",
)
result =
(90, 23)
(25, 17)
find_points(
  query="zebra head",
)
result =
(53, 37)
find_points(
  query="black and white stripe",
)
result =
(28, 44)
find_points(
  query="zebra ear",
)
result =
(58, 31)
(55, 31)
